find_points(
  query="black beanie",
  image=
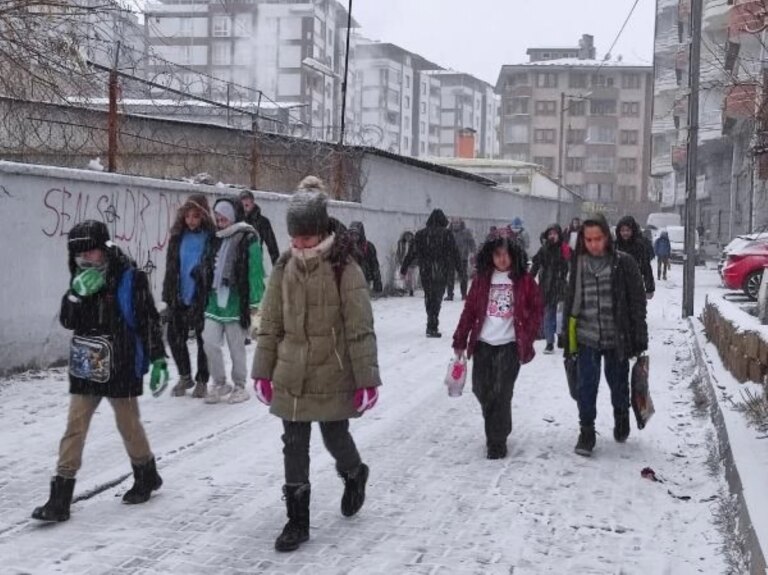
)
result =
(86, 236)
(308, 210)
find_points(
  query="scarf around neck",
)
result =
(226, 259)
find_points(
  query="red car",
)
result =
(744, 268)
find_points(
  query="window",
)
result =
(628, 166)
(384, 76)
(221, 54)
(574, 164)
(602, 81)
(393, 118)
(514, 133)
(631, 81)
(597, 192)
(546, 162)
(423, 148)
(627, 193)
(601, 135)
(423, 88)
(517, 106)
(577, 108)
(423, 108)
(602, 107)
(629, 137)
(546, 80)
(601, 164)
(393, 97)
(630, 109)
(408, 82)
(406, 143)
(576, 136)
(578, 80)
(544, 136)
(518, 79)
(221, 26)
(423, 128)
(546, 108)
(408, 102)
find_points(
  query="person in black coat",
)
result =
(185, 290)
(630, 240)
(116, 335)
(434, 247)
(366, 256)
(550, 264)
(260, 223)
(605, 309)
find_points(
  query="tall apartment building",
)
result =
(604, 107)
(730, 181)
(423, 110)
(292, 51)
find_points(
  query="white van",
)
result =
(661, 220)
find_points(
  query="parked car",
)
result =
(744, 267)
(660, 220)
(736, 244)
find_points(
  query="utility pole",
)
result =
(346, 78)
(112, 128)
(689, 272)
(560, 160)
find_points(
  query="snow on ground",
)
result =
(435, 504)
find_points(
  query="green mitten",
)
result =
(88, 282)
(158, 378)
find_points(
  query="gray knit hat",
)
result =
(308, 209)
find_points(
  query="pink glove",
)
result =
(366, 398)
(263, 390)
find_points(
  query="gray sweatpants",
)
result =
(213, 339)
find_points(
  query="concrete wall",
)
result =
(39, 205)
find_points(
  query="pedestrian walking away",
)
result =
(550, 264)
(629, 239)
(465, 242)
(316, 358)
(605, 311)
(260, 223)
(411, 279)
(116, 338)
(434, 248)
(366, 256)
(236, 280)
(498, 326)
(185, 291)
(521, 234)
(663, 249)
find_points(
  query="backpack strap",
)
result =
(125, 293)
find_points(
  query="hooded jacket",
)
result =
(434, 247)
(263, 227)
(366, 257)
(99, 315)
(551, 265)
(663, 247)
(629, 300)
(465, 242)
(637, 247)
(316, 340)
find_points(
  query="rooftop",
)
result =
(576, 62)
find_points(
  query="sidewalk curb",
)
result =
(756, 557)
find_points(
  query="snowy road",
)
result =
(435, 504)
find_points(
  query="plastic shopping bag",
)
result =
(456, 376)
(642, 404)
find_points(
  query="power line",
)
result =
(618, 36)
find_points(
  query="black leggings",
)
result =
(494, 374)
(179, 323)
(336, 437)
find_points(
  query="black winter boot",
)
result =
(145, 481)
(586, 442)
(354, 490)
(496, 450)
(621, 425)
(57, 506)
(296, 531)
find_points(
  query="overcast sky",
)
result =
(478, 36)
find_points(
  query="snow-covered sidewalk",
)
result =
(435, 504)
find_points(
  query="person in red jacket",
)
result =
(498, 326)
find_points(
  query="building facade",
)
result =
(292, 52)
(730, 176)
(585, 121)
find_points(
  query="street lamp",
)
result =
(561, 146)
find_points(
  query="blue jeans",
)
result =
(550, 323)
(617, 374)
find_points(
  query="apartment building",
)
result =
(291, 51)
(585, 121)
(731, 176)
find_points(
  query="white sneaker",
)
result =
(239, 395)
(217, 393)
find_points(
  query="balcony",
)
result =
(679, 157)
(746, 17)
(740, 104)
(519, 91)
(716, 14)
